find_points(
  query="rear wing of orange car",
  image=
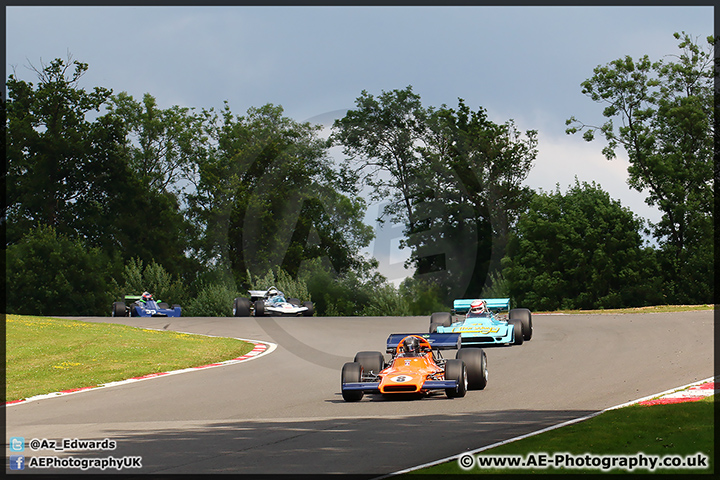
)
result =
(438, 341)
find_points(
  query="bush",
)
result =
(498, 286)
(154, 279)
(50, 274)
(344, 295)
(580, 250)
(386, 300)
(422, 298)
(213, 300)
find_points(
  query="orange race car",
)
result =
(417, 367)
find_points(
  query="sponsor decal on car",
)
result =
(474, 329)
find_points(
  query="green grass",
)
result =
(45, 355)
(661, 430)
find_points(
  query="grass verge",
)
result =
(45, 355)
(681, 429)
(652, 309)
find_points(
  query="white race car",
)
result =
(271, 302)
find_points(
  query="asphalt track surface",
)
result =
(283, 412)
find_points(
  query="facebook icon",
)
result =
(17, 462)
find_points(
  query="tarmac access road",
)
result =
(283, 412)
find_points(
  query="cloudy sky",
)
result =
(519, 63)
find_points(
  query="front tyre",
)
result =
(525, 317)
(441, 318)
(310, 309)
(351, 373)
(241, 307)
(119, 309)
(456, 370)
(371, 362)
(259, 308)
(517, 331)
(476, 362)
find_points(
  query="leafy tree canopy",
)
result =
(56, 156)
(581, 250)
(451, 176)
(662, 114)
(51, 274)
(268, 197)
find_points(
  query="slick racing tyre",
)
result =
(456, 370)
(259, 308)
(351, 373)
(241, 307)
(525, 317)
(119, 309)
(441, 318)
(476, 362)
(371, 362)
(518, 331)
(310, 309)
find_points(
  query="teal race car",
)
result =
(484, 323)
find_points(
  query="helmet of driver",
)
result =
(146, 296)
(411, 345)
(478, 306)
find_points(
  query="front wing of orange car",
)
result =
(374, 387)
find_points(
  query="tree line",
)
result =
(108, 195)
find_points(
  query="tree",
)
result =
(52, 274)
(452, 177)
(162, 145)
(666, 113)
(77, 168)
(267, 197)
(56, 157)
(476, 172)
(580, 250)
(380, 138)
(160, 152)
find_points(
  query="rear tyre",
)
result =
(259, 308)
(119, 309)
(518, 331)
(525, 317)
(164, 306)
(434, 327)
(476, 362)
(241, 307)
(310, 309)
(351, 373)
(456, 370)
(370, 361)
(441, 318)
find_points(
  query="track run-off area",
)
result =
(283, 412)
